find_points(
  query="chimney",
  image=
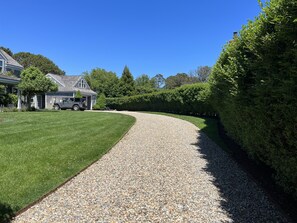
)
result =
(235, 35)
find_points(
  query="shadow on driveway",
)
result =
(241, 197)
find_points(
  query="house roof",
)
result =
(4, 79)
(9, 60)
(66, 83)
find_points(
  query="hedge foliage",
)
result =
(254, 89)
(188, 99)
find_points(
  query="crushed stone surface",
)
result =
(163, 170)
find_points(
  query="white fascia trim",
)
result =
(55, 79)
(82, 77)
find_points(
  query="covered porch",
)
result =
(90, 99)
(10, 86)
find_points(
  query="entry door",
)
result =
(89, 98)
(41, 101)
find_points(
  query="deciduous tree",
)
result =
(143, 84)
(33, 81)
(177, 80)
(103, 82)
(44, 64)
(158, 81)
(201, 74)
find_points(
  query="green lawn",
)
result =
(206, 125)
(41, 150)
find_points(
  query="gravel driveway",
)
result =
(163, 170)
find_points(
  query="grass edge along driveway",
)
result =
(208, 126)
(41, 150)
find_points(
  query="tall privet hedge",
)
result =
(189, 99)
(254, 89)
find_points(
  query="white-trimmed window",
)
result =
(82, 83)
(1, 66)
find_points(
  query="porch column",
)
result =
(19, 100)
(35, 101)
(91, 108)
(45, 101)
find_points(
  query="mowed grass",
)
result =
(41, 150)
(209, 126)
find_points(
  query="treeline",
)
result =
(107, 82)
(27, 59)
(253, 89)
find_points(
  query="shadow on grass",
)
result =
(240, 196)
(212, 131)
(6, 213)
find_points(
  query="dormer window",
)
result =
(82, 83)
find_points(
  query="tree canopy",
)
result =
(103, 82)
(107, 82)
(158, 81)
(44, 64)
(143, 84)
(143, 80)
(177, 80)
(7, 50)
(201, 74)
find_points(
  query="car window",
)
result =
(77, 99)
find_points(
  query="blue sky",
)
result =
(149, 36)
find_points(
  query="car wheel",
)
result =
(57, 107)
(75, 107)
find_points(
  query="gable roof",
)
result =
(68, 83)
(9, 60)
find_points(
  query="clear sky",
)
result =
(149, 36)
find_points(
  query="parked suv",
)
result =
(71, 103)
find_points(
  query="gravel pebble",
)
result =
(163, 170)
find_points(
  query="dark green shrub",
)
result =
(8, 99)
(254, 89)
(101, 103)
(13, 99)
(189, 99)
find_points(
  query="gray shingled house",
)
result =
(8, 64)
(67, 87)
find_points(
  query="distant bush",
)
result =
(101, 103)
(254, 89)
(188, 99)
